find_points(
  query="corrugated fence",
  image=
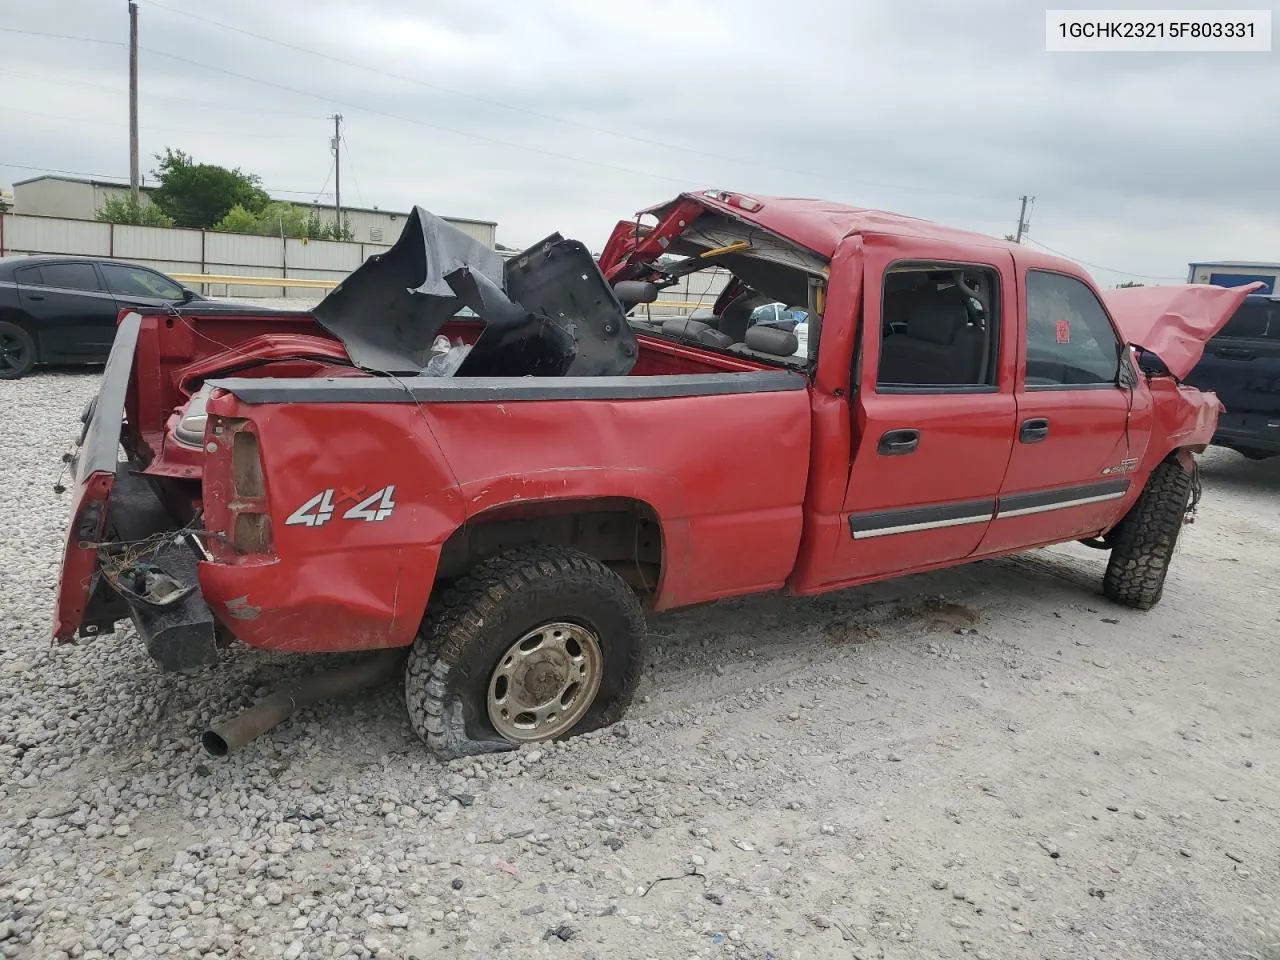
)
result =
(175, 250)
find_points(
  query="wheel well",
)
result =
(624, 534)
(18, 318)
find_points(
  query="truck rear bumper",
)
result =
(179, 632)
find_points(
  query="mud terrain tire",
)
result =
(1142, 543)
(473, 623)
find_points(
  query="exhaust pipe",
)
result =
(229, 736)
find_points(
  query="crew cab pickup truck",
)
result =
(296, 482)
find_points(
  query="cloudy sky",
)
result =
(569, 115)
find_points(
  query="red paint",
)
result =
(753, 491)
(1175, 322)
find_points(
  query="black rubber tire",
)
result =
(1142, 543)
(20, 347)
(473, 622)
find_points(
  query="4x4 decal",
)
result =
(320, 509)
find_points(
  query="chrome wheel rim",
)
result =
(545, 682)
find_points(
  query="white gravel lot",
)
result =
(986, 762)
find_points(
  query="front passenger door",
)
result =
(139, 287)
(1081, 432)
(75, 316)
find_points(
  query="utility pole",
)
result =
(133, 101)
(1023, 225)
(337, 174)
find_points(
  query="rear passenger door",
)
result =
(933, 411)
(75, 315)
(1081, 431)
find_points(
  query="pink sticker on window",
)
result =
(1064, 331)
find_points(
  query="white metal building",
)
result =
(1236, 273)
(74, 198)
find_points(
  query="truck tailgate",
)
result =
(93, 477)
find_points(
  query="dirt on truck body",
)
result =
(494, 470)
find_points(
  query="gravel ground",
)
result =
(986, 762)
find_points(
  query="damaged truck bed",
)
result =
(309, 482)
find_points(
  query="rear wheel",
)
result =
(536, 644)
(17, 351)
(1142, 543)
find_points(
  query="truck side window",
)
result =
(1070, 340)
(939, 328)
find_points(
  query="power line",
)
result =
(148, 95)
(411, 120)
(353, 106)
(556, 119)
(116, 123)
(1096, 266)
(346, 145)
(63, 36)
(684, 181)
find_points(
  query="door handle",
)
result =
(1034, 430)
(35, 296)
(1235, 353)
(896, 443)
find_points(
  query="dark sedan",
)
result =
(63, 309)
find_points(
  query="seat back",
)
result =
(938, 347)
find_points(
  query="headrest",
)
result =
(780, 343)
(935, 321)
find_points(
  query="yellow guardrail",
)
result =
(208, 278)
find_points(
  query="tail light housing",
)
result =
(236, 511)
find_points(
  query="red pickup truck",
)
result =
(503, 511)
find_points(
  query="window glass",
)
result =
(1254, 319)
(139, 282)
(29, 276)
(938, 327)
(1070, 341)
(70, 276)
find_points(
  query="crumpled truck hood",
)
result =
(1174, 322)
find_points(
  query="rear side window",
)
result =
(1070, 341)
(70, 276)
(1255, 320)
(30, 276)
(939, 330)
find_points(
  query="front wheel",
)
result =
(535, 644)
(1142, 543)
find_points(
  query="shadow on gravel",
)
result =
(1241, 475)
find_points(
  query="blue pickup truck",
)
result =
(1242, 366)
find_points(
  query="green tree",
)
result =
(201, 194)
(281, 219)
(238, 220)
(123, 209)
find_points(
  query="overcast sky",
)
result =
(569, 115)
